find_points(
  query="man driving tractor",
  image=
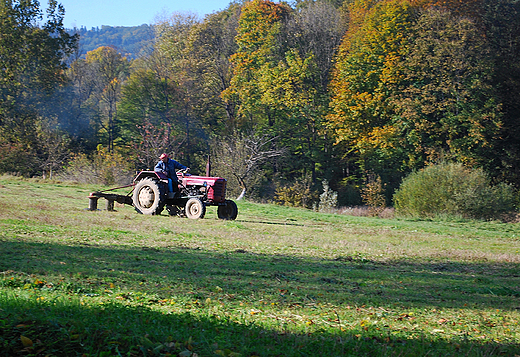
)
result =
(169, 167)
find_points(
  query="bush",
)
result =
(373, 195)
(328, 199)
(297, 194)
(452, 190)
(103, 168)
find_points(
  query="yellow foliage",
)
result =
(367, 72)
(381, 137)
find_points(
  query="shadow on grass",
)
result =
(284, 223)
(68, 329)
(295, 284)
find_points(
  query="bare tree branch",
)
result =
(243, 154)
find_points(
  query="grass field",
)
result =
(277, 281)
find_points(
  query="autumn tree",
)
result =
(414, 84)
(364, 78)
(259, 50)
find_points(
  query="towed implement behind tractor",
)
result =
(150, 196)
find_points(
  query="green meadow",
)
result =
(278, 281)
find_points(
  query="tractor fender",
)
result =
(150, 174)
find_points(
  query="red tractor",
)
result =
(150, 196)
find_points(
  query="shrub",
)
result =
(373, 195)
(452, 190)
(103, 168)
(297, 194)
(328, 199)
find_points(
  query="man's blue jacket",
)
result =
(170, 168)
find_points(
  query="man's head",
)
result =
(164, 157)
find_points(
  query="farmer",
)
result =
(168, 167)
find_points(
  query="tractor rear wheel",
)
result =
(195, 208)
(148, 197)
(229, 211)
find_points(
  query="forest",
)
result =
(284, 99)
(128, 40)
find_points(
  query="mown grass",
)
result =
(276, 282)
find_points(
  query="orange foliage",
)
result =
(256, 23)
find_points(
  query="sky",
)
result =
(94, 13)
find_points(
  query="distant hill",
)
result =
(128, 40)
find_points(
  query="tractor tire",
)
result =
(148, 197)
(195, 209)
(228, 212)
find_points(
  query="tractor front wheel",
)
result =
(195, 209)
(229, 211)
(147, 197)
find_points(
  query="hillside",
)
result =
(76, 282)
(128, 40)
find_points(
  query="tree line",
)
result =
(285, 100)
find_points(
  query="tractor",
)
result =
(150, 196)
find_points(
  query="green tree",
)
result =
(300, 82)
(175, 62)
(172, 52)
(447, 106)
(108, 69)
(466, 8)
(97, 82)
(501, 22)
(32, 61)
(291, 89)
(280, 74)
(151, 97)
(54, 144)
(148, 98)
